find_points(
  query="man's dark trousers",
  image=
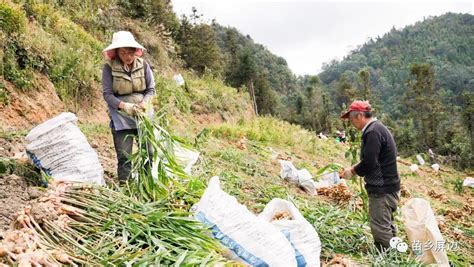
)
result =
(382, 225)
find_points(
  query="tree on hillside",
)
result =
(424, 106)
(198, 46)
(245, 73)
(364, 78)
(324, 116)
(154, 12)
(405, 135)
(366, 89)
(307, 104)
(313, 91)
(230, 48)
(195, 17)
(265, 98)
(346, 92)
(246, 70)
(161, 12)
(468, 117)
(134, 9)
(233, 42)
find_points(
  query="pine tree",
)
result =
(364, 78)
(198, 46)
(366, 88)
(246, 74)
(468, 117)
(325, 120)
(346, 92)
(312, 103)
(247, 70)
(424, 106)
(265, 97)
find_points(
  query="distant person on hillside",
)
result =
(128, 87)
(378, 166)
(340, 137)
(343, 137)
(322, 136)
(431, 154)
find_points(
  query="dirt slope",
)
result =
(31, 106)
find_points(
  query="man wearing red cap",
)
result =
(378, 166)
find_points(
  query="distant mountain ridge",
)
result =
(446, 42)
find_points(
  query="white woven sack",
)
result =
(254, 240)
(300, 232)
(60, 148)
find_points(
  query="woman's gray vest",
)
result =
(125, 84)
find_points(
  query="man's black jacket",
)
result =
(378, 160)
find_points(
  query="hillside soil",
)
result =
(15, 193)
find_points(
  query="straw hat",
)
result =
(123, 39)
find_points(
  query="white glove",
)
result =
(346, 173)
(129, 108)
(142, 106)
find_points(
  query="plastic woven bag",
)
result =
(59, 148)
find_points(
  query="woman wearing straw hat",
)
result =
(128, 86)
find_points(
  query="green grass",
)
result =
(23, 169)
(268, 130)
(91, 130)
(210, 94)
(253, 178)
(12, 135)
(20, 76)
(55, 46)
(12, 18)
(172, 95)
(340, 229)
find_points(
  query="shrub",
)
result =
(168, 93)
(74, 58)
(44, 14)
(13, 67)
(210, 95)
(156, 12)
(12, 18)
(20, 76)
(4, 98)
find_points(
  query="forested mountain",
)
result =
(421, 77)
(445, 42)
(242, 63)
(252, 65)
(237, 47)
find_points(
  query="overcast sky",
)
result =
(308, 33)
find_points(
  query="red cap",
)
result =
(357, 105)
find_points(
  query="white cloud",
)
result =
(308, 33)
